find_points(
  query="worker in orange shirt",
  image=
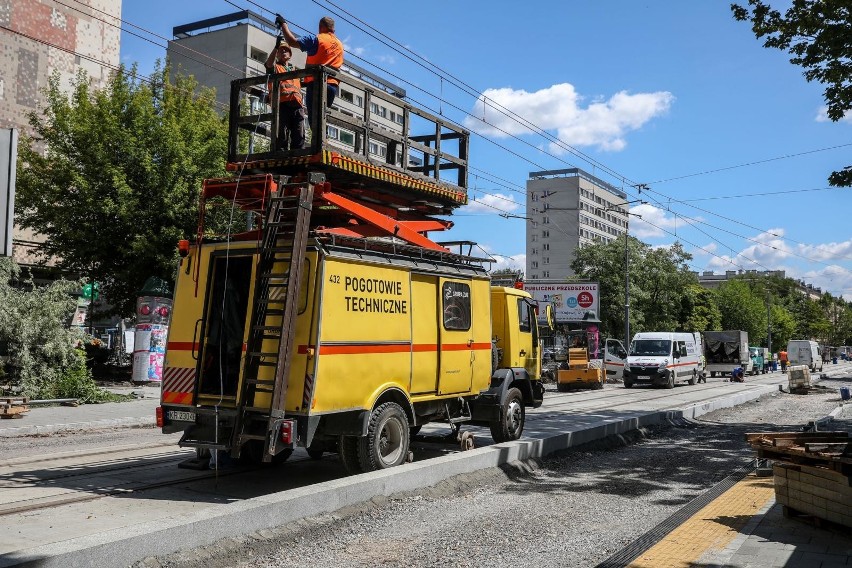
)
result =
(291, 110)
(322, 49)
(782, 358)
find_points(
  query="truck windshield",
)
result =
(660, 347)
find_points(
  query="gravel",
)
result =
(575, 508)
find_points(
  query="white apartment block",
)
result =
(567, 209)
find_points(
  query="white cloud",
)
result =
(649, 221)
(491, 203)
(558, 108)
(822, 116)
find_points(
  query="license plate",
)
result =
(180, 416)
(644, 378)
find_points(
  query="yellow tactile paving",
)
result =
(710, 529)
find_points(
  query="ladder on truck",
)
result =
(277, 286)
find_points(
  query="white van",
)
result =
(804, 352)
(662, 359)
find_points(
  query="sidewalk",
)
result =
(52, 419)
(745, 528)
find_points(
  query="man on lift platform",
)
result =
(322, 49)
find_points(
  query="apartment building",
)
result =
(39, 38)
(567, 209)
(218, 50)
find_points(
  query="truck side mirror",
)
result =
(622, 353)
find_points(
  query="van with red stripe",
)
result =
(663, 359)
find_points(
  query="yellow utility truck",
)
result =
(338, 325)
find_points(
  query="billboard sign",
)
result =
(570, 300)
(8, 162)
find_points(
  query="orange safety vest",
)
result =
(291, 89)
(329, 53)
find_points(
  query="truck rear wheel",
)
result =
(510, 425)
(386, 442)
(671, 383)
(348, 450)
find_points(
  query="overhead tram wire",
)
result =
(429, 66)
(547, 135)
(139, 76)
(474, 92)
(740, 222)
(754, 163)
(239, 72)
(511, 115)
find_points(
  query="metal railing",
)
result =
(415, 142)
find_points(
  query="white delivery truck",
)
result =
(804, 352)
(662, 358)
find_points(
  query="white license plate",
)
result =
(180, 416)
(644, 378)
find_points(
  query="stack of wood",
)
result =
(14, 407)
(812, 473)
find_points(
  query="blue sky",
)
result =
(728, 136)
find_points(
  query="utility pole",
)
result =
(768, 323)
(626, 291)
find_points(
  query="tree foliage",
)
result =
(665, 296)
(659, 284)
(119, 179)
(742, 308)
(43, 362)
(816, 34)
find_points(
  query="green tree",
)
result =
(783, 327)
(119, 179)
(604, 263)
(660, 282)
(665, 279)
(816, 34)
(42, 359)
(742, 308)
(699, 311)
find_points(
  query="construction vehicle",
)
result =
(587, 364)
(338, 325)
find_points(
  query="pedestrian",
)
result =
(321, 49)
(291, 109)
(782, 358)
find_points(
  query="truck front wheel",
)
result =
(386, 442)
(510, 425)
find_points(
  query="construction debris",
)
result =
(812, 473)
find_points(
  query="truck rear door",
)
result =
(456, 337)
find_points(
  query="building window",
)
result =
(545, 260)
(545, 220)
(534, 196)
(352, 98)
(534, 251)
(378, 110)
(545, 246)
(534, 264)
(534, 238)
(258, 55)
(545, 234)
(345, 136)
(378, 149)
(545, 274)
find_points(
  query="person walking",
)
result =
(291, 109)
(321, 49)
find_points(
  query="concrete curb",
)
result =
(130, 544)
(94, 425)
